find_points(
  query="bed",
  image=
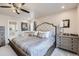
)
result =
(35, 45)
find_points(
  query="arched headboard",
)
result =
(45, 26)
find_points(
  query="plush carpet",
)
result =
(7, 51)
(60, 52)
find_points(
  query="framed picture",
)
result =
(24, 26)
(66, 23)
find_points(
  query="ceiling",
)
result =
(40, 9)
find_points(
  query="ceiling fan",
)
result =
(16, 8)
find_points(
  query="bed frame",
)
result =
(20, 52)
(17, 50)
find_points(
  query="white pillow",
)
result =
(35, 33)
(31, 33)
(44, 34)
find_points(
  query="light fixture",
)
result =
(19, 6)
(16, 9)
(62, 7)
(13, 9)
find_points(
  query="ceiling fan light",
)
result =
(13, 8)
(14, 11)
(18, 11)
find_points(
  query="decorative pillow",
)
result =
(30, 33)
(44, 34)
(35, 33)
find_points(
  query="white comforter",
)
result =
(34, 46)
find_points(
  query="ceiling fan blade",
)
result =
(23, 4)
(24, 10)
(14, 5)
(21, 8)
(5, 6)
(17, 12)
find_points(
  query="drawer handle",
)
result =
(72, 38)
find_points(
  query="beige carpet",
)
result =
(7, 51)
(60, 52)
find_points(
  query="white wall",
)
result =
(78, 19)
(58, 17)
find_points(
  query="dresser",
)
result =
(68, 42)
(2, 36)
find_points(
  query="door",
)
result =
(12, 29)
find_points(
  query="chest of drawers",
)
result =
(70, 43)
(2, 36)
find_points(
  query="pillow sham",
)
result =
(47, 34)
(30, 33)
(35, 33)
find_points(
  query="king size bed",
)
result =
(34, 46)
(37, 43)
